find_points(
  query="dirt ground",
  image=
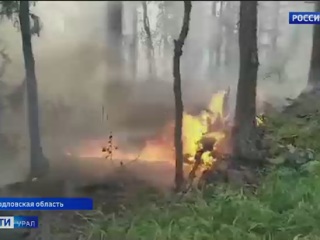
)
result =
(109, 186)
(108, 183)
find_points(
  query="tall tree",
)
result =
(167, 23)
(314, 72)
(275, 26)
(216, 38)
(268, 30)
(218, 45)
(214, 8)
(245, 115)
(134, 43)
(39, 163)
(150, 48)
(228, 19)
(178, 45)
(114, 34)
(5, 61)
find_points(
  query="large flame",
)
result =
(210, 124)
(161, 148)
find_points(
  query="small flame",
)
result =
(259, 120)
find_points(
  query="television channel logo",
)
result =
(16, 222)
(304, 17)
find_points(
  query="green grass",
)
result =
(286, 206)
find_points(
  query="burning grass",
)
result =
(203, 135)
(206, 140)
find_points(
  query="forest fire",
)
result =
(206, 132)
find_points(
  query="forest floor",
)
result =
(285, 205)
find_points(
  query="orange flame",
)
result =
(209, 123)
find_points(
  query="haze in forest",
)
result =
(72, 55)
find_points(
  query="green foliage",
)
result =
(294, 140)
(9, 8)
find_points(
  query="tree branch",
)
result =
(185, 27)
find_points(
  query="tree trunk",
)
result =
(39, 164)
(275, 30)
(218, 46)
(134, 43)
(229, 37)
(212, 44)
(5, 61)
(166, 24)
(178, 45)
(214, 8)
(245, 116)
(216, 40)
(114, 35)
(150, 48)
(314, 72)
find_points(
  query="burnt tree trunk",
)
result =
(178, 45)
(150, 48)
(39, 164)
(244, 137)
(314, 72)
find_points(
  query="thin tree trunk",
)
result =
(216, 40)
(178, 45)
(164, 18)
(38, 163)
(215, 47)
(245, 115)
(212, 44)
(115, 36)
(228, 25)
(218, 48)
(275, 30)
(166, 43)
(214, 8)
(134, 43)
(219, 38)
(314, 72)
(150, 48)
(5, 61)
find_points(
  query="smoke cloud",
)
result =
(78, 98)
